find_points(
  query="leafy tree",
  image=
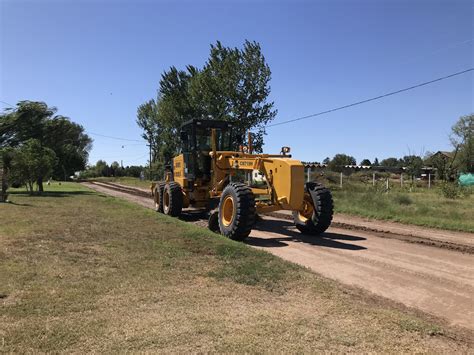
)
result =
(35, 120)
(233, 85)
(413, 164)
(339, 161)
(376, 162)
(391, 163)
(33, 162)
(70, 144)
(462, 138)
(115, 169)
(27, 121)
(441, 163)
(366, 162)
(326, 160)
(6, 158)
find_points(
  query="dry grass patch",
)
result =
(81, 271)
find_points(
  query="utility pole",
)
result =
(149, 167)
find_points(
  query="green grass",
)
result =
(130, 181)
(422, 206)
(85, 272)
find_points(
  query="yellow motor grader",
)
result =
(235, 185)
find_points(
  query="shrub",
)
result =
(403, 199)
(450, 190)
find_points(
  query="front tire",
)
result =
(158, 196)
(236, 211)
(316, 216)
(172, 199)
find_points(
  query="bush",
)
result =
(403, 199)
(450, 190)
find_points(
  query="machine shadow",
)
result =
(328, 239)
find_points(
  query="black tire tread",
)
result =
(158, 196)
(324, 209)
(176, 199)
(245, 214)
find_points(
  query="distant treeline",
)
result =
(102, 169)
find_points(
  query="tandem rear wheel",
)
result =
(168, 198)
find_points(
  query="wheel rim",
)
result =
(166, 200)
(227, 211)
(306, 213)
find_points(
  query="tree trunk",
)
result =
(40, 185)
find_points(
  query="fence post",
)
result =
(373, 179)
(401, 180)
(387, 184)
(429, 180)
(340, 184)
(309, 171)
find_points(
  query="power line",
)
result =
(117, 138)
(371, 99)
(134, 160)
(6, 103)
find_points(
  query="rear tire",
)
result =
(236, 211)
(172, 199)
(213, 221)
(158, 196)
(323, 207)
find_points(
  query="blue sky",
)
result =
(98, 60)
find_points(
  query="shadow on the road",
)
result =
(328, 240)
(193, 215)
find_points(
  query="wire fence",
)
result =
(380, 181)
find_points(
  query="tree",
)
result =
(366, 162)
(26, 121)
(462, 139)
(70, 144)
(440, 162)
(233, 86)
(33, 162)
(413, 164)
(339, 161)
(6, 158)
(376, 162)
(101, 168)
(115, 169)
(35, 120)
(391, 163)
(326, 160)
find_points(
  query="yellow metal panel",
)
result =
(287, 179)
(178, 170)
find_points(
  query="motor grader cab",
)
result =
(235, 185)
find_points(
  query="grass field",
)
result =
(421, 206)
(424, 207)
(84, 272)
(131, 181)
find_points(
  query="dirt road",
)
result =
(434, 280)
